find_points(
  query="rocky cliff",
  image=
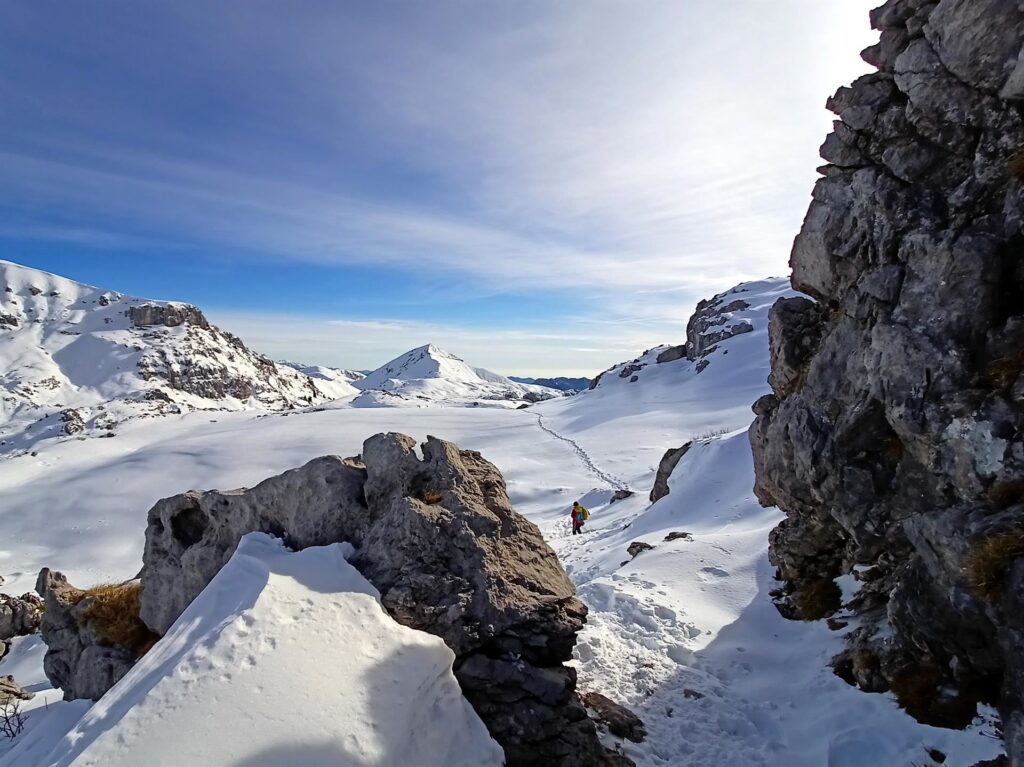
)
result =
(436, 535)
(894, 436)
(78, 360)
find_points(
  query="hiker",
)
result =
(579, 516)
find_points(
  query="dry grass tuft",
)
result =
(816, 600)
(920, 692)
(113, 610)
(989, 563)
(1016, 164)
(1002, 495)
(1004, 371)
(430, 497)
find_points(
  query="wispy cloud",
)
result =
(634, 158)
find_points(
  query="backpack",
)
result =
(584, 514)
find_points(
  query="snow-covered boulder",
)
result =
(439, 539)
(285, 658)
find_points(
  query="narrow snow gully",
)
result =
(608, 479)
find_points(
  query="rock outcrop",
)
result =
(11, 690)
(79, 660)
(712, 322)
(169, 315)
(668, 464)
(439, 539)
(18, 617)
(894, 435)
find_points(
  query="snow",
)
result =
(335, 383)
(284, 658)
(64, 345)
(428, 376)
(684, 634)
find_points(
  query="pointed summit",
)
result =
(429, 374)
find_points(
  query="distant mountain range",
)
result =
(430, 375)
(561, 383)
(80, 360)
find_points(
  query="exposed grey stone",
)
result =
(638, 547)
(72, 420)
(9, 689)
(672, 353)
(167, 315)
(668, 464)
(618, 719)
(19, 616)
(712, 323)
(678, 535)
(77, 660)
(892, 439)
(438, 538)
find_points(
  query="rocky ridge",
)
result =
(77, 360)
(437, 537)
(894, 435)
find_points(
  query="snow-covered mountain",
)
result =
(430, 375)
(681, 625)
(734, 321)
(336, 383)
(77, 358)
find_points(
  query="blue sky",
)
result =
(540, 187)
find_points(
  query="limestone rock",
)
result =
(10, 689)
(617, 718)
(168, 315)
(77, 660)
(19, 616)
(189, 537)
(637, 547)
(668, 464)
(672, 353)
(893, 437)
(439, 539)
(712, 323)
(73, 421)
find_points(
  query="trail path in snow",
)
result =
(608, 479)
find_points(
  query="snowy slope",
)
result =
(428, 375)
(284, 658)
(685, 633)
(335, 383)
(65, 345)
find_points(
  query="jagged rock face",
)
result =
(77, 659)
(438, 537)
(668, 464)
(893, 437)
(169, 315)
(19, 616)
(712, 323)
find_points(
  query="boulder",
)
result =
(436, 535)
(11, 690)
(618, 719)
(672, 353)
(78, 660)
(73, 421)
(668, 464)
(712, 323)
(637, 547)
(19, 616)
(893, 436)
